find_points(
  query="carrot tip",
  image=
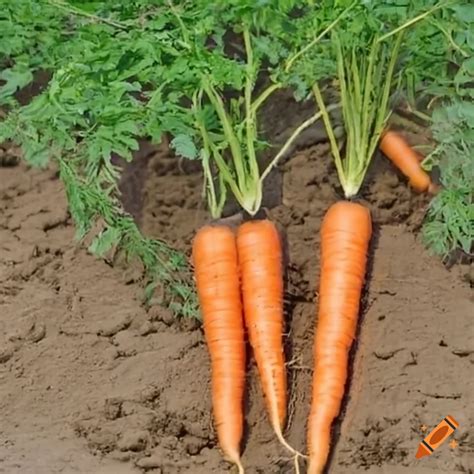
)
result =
(240, 467)
(234, 458)
(285, 443)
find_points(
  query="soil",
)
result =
(91, 382)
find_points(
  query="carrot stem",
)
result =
(250, 124)
(365, 108)
(414, 20)
(229, 133)
(331, 133)
(77, 11)
(260, 100)
(215, 204)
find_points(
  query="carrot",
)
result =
(345, 234)
(260, 257)
(218, 286)
(407, 160)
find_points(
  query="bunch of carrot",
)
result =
(239, 281)
(239, 275)
(240, 287)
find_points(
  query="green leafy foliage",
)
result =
(439, 62)
(184, 146)
(14, 79)
(450, 220)
(107, 67)
(443, 74)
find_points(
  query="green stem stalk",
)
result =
(307, 123)
(229, 133)
(259, 101)
(253, 184)
(205, 157)
(414, 20)
(182, 26)
(365, 88)
(77, 11)
(331, 133)
(383, 109)
(210, 150)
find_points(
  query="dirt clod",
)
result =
(116, 324)
(133, 440)
(149, 462)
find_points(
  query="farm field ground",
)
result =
(92, 383)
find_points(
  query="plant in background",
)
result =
(106, 67)
(449, 223)
(450, 219)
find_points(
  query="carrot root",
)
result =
(406, 159)
(345, 234)
(240, 468)
(260, 257)
(216, 272)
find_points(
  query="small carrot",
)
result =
(218, 286)
(260, 257)
(407, 160)
(345, 234)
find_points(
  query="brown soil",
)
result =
(92, 383)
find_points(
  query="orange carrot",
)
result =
(345, 234)
(260, 257)
(218, 287)
(407, 160)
